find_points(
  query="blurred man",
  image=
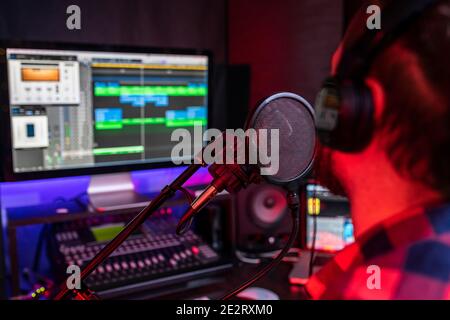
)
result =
(399, 184)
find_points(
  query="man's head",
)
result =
(410, 82)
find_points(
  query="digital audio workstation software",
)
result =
(80, 109)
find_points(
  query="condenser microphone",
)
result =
(293, 117)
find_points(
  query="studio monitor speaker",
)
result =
(263, 222)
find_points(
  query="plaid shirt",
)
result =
(412, 251)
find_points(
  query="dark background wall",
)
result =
(287, 43)
(351, 7)
(167, 23)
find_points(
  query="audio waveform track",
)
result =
(112, 91)
(111, 119)
(141, 107)
(118, 150)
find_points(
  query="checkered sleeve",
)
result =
(406, 257)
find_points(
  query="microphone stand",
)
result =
(166, 193)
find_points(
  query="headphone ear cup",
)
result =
(344, 115)
(355, 124)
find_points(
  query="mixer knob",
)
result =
(124, 265)
(133, 265)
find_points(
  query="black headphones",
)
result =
(344, 105)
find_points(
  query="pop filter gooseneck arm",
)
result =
(166, 193)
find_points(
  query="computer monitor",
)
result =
(86, 109)
(334, 225)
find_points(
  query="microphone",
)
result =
(293, 117)
(230, 177)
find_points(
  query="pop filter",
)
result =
(294, 117)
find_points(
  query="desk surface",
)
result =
(276, 281)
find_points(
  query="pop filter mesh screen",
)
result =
(297, 135)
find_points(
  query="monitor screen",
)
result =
(77, 109)
(334, 226)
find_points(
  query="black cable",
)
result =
(44, 231)
(294, 208)
(38, 252)
(74, 198)
(189, 196)
(315, 206)
(182, 228)
(314, 235)
(77, 199)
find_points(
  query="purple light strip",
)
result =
(29, 193)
